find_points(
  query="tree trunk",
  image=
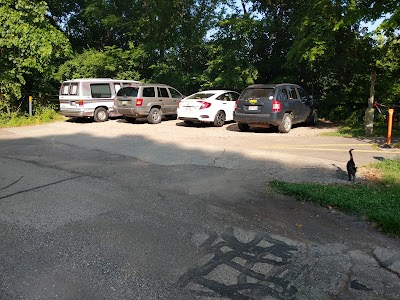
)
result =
(369, 112)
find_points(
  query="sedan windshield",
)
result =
(201, 96)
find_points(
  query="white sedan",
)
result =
(212, 106)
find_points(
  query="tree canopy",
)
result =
(323, 45)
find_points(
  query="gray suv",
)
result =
(280, 105)
(147, 100)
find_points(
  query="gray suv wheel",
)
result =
(154, 116)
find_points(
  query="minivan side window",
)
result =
(149, 92)
(162, 92)
(100, 90)
(175, 93)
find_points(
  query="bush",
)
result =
(41, 114)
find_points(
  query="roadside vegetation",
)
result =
(377, 200)
(40, 115)
(357, 131)
(210, 44)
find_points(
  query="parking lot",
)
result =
(119, 210)
(301, 155)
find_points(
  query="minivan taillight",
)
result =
(80, 102)
(276, 106)
(236, 105)
(139, 101)
(204, 104)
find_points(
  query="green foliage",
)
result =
(29, 45)
(377, 201)
(112, 62)
(194, 45)
(41, 115)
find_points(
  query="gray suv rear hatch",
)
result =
(256, 104)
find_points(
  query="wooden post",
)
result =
(30, 106)
(390, 124)
(369, 112)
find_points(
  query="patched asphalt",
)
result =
(137, 211)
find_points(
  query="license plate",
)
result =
(73, 103)
(124, 102)
(253, 107)
(189, 108)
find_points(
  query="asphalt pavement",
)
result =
(137, 211)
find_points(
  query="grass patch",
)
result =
(379, 201)
(358, 131)
(40, 116)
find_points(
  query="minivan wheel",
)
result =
(243, 126)
(100, 114)
(154, 116)
(286, 124)
(219, 119)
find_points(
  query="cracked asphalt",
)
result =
(117, 210)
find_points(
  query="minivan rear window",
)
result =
(258, 93)
(128, 92)
(68, 89)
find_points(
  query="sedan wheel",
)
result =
(219, 119)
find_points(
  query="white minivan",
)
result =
(91, 97)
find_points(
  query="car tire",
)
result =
(100, 114)
(154, 116)
(219, 119)
(172, 117)
(243, 126)
(313, 118)
(286, 124)
(129, 119)
(188, 123)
